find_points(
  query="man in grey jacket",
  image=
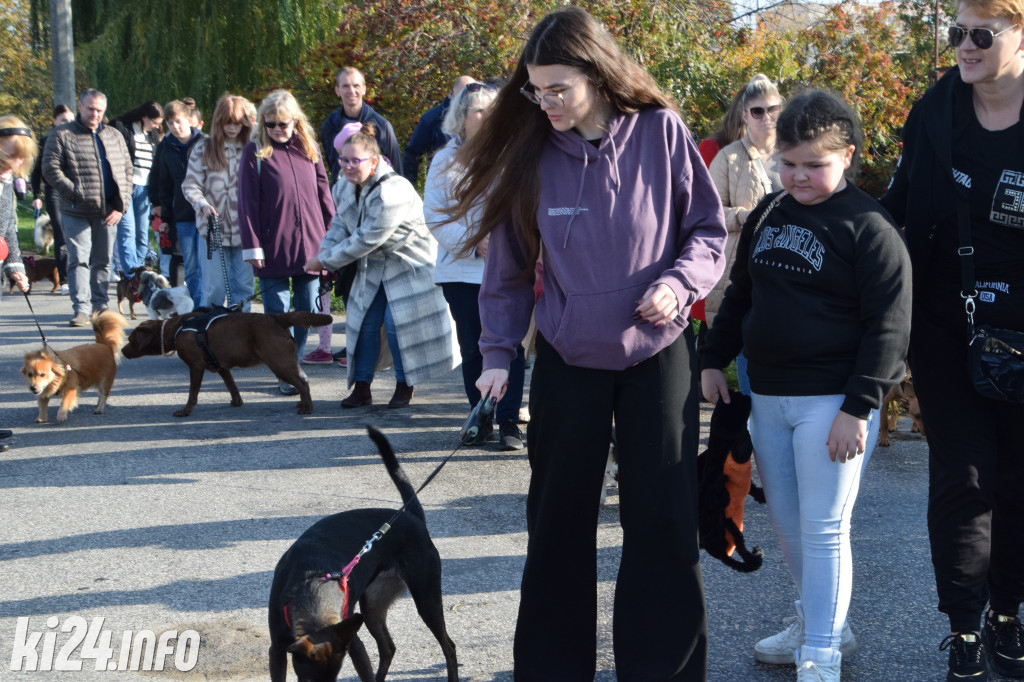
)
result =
(88, 165)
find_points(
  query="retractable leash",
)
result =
(477, 418)
(215, 240)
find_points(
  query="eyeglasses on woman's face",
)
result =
(757, 113)
(350, 163)
(553, 100)
(983, 38)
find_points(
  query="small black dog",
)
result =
(307, 609)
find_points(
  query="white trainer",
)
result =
(818, 665)
(780, 648)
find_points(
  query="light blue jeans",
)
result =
(368, 344)
(240, 276)
(133, 231)
(188, 244)
(278, 299)
(741, 374)
(810, 502)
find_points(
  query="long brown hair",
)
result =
(502, 161)
(230, 109)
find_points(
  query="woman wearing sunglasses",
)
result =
(284, 208)
(744, 172)
(584, 156)
(963, 154)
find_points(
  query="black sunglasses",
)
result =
(759, 112)
(274, 124)
(981, 37)
(475, 87)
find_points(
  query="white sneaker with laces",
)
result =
(779, 648)
(818, 665)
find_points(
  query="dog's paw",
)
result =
(183, 412)
(304, 409)
(236, 402)
(98, 410)
(62, 417)
(42, 420)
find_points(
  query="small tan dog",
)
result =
(49, 373)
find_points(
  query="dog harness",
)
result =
(199, 324)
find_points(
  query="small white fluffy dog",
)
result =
(166, 303)
(43, 232)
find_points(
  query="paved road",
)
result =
(163, 524)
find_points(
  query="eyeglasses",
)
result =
(552, 99)
(981, 37)
(274, 124)
(475, 87)
(350, 163)
(758, 112)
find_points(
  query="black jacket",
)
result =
(385, 138)
(129, 136)
(171, 162)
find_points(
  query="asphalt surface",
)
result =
(173, 525)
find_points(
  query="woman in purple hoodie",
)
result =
(585, 157)
(284, 208)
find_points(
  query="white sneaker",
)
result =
(818, 665)
(63, 289)
(780, 648)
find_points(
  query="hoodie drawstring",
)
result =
(583, 177)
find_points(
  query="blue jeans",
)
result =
(368, 343)
(278, 299)
(188, 244)
(741, 373)
(465, 308)
(810, 502)
(240, 275)
(90, 243)
(133, 231)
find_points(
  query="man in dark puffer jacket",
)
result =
(88, 165)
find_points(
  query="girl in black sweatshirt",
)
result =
(819, 299)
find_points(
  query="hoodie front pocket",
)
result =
(598, 330)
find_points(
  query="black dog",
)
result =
(308, 612)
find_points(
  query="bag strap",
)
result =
(968, 292)
(771, 206)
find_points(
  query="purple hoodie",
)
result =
(639, 210)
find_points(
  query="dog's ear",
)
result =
(303, 645)
(346, 630)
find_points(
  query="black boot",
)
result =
(402, 396)
(360, 396)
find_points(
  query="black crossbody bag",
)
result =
(995, 356)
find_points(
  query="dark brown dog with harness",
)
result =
(225, 340)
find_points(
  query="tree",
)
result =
(24, 77)
(62, 59)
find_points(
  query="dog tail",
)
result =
(300, 318)
(405, 488)
(109, 329)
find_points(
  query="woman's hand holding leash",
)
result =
(20, 280)
(714, 386)
(847, 438)
(493, 382)
(659, 306)
(314, 265)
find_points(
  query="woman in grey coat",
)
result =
(379, 223)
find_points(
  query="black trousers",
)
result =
(659, 620)
(60, 249)
(976, 479)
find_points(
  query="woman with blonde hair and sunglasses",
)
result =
(211, 185)
(284, 208)
(744, 172)
(963, 167)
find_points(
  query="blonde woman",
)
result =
(743, 173)
(211, 186)
(284, 208)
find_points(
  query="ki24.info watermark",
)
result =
(82, 642)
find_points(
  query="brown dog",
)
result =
(128, 287)
(900, 397)
(66, 373)
(234, 340)
(38, 268)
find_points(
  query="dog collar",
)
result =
(169, 353)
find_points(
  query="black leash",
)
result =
(46, 344)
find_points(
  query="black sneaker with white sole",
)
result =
(1003, 637)
(966, 658)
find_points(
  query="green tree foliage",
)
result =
(25, 84)
(154, 50)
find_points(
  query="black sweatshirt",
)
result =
(819, 301)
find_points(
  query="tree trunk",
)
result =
(62, 46)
